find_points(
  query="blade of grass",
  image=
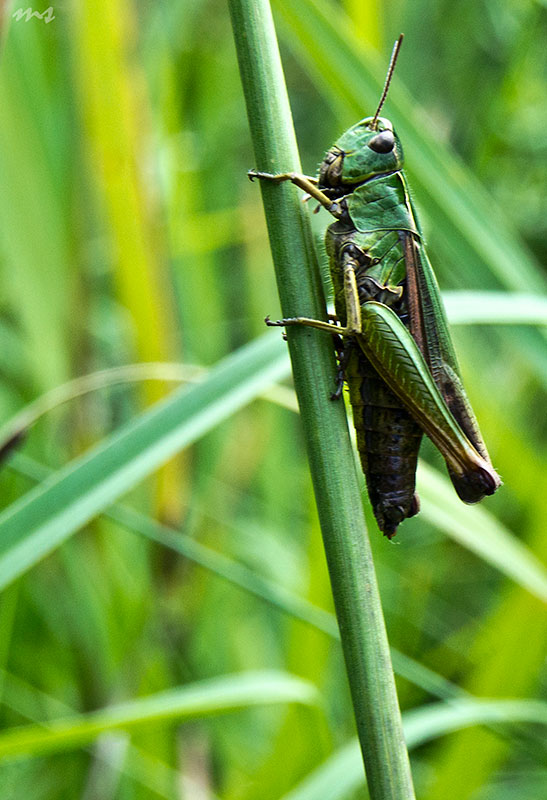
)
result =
(507, 656)
(165, 372)
(112, 95)
(462, 307)
(141, 372)
(480, 532)
(334, 476)
(340, 775)
(42, 519)
(113, 98)
(244, 578)
(471, 526)
(495, 308)
(33, 208)
(34, 705)
(203, 699)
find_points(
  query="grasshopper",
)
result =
(397, 356)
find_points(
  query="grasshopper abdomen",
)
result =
(388, 441)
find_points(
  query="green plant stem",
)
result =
(332, 465)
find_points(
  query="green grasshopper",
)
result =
(397, 356)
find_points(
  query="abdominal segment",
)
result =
(388, 441)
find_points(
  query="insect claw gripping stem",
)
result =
(265, 176)
(305, 182)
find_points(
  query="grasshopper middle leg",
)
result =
(395, 355)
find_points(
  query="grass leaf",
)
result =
(198, 700)
(48, 514)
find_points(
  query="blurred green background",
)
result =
(129, 233)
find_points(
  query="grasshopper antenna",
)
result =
(390, 69)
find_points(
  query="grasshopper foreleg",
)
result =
(304, 182)
(320, 324)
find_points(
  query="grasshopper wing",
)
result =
(429, 328)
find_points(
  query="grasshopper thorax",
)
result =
(369, 148)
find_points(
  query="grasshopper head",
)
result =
(368, 148)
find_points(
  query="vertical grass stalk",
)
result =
(332, 464)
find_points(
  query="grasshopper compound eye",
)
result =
(382, 142)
